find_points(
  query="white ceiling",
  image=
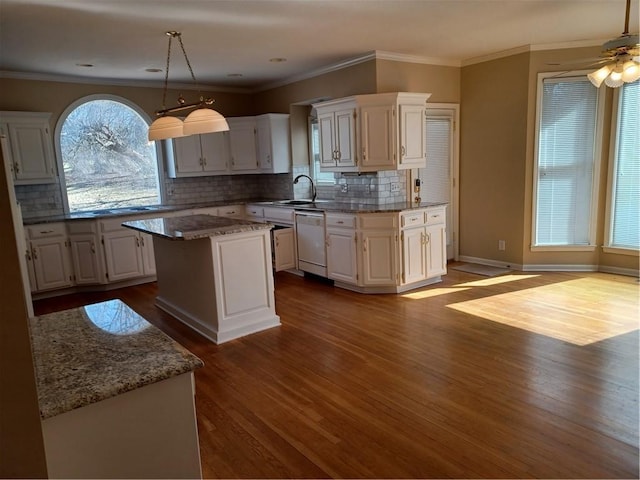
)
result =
(123, 38)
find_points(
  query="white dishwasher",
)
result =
(310, 239)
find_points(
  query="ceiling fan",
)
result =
(621, 59)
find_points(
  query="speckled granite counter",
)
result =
(98, 351)
(355, 206)
(194, 226)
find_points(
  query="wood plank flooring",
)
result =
(414, 386)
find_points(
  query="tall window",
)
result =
(566, 163)
(320, 178)
(106, 157)
(624, 214)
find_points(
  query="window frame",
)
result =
(311, 120)
(577, 76)
(58, 130)
(611, 176)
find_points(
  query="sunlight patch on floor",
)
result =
(434, 292)
(496, 280)
(580, 311)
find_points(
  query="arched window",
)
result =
(106, 158)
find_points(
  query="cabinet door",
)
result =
(242, 144)
(378, 258)
(86, 261)
(265, 153)
(413, 137)
(377, 137)
(188, 154)
(122, 254)
(284, 251)
(345, 138)
(341, 256)
(148, 256)
(414, 265)
(436, 250)
(51, 263)
(215, 152)
(326, 133)
(32, 152)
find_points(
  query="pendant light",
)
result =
(202, 120)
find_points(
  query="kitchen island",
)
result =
(214, 273)
(115, 395)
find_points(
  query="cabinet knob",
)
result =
(364, 154)
(16, 167)
(34, 252)
(403, 151)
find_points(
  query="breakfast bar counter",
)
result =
(214, 273)
(115, 395)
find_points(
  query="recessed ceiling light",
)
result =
(153, 70)
(84, 65)
(277, 59)
(234, 75)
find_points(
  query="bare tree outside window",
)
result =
(108, 161)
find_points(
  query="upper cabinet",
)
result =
(274, 146)
(367, 133)
(30, 148)
(258, 144)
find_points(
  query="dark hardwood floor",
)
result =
(453, 380)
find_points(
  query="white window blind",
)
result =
(565, 166)
(625, 215)
(435, 177)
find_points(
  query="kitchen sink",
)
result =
(296, 202)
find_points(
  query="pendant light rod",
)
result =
(626, 19)
(201, 103)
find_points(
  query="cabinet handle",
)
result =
(364, 154)
(142, 241)
(364, 245)
(16, 167)
(423, 238)
(46, 231)
(34, 252)
(428, 237)
(277, 242)
(137, 242)
(28, 255)
(403, 151)
(340, 222)
(327, 241)
(93, 247)
(204, 161)
(268, 158)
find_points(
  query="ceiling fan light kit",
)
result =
(623, 53)
(202, 120)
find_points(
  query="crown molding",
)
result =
(574, 44)
(47, 77)
(401, 57)
(496, 55)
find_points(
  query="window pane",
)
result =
(108, 161)
(566, 162)
(319, 177)
(625, 231)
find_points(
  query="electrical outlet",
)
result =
(344, 188)
(395, 187)
(502, 245)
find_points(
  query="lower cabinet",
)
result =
(284, 248)
(128, 254)
(48, 257)
(436, 250)
(342, 253)
(86, 254)
(378, 258)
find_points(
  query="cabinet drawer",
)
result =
(114, 224)
(341, 221)
(377, 221)
(276, 214)
(254, 211)
(45, 230)
(204, 211)
(411, 219)
(231, 211)
(77, 228)
(435, 216)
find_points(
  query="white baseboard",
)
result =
(489, 262)
(559, 268)
(619, 271)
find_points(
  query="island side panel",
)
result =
(244, 284)
(186, 284)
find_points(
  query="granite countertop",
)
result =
(192, 227)
(88, 354)
(355, 206)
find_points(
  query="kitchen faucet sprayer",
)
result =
(313, 187)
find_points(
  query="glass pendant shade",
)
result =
(630, 71)
(614, 79)
(204, 120)
(597, 77)
(166, 127)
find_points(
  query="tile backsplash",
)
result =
(372, 188)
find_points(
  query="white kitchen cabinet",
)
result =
(284, 248)
(242, 145)
(379, 247)
(30, 146)
(388, 132)
(86, 253)
(49, 256)
(274, 149)
(414, 255)
(436, 242)
(198, 155)
(337, 135)
(128, 253)
(342, 264)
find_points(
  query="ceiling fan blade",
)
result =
(592, 60)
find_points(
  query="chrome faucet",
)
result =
(313, 187)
